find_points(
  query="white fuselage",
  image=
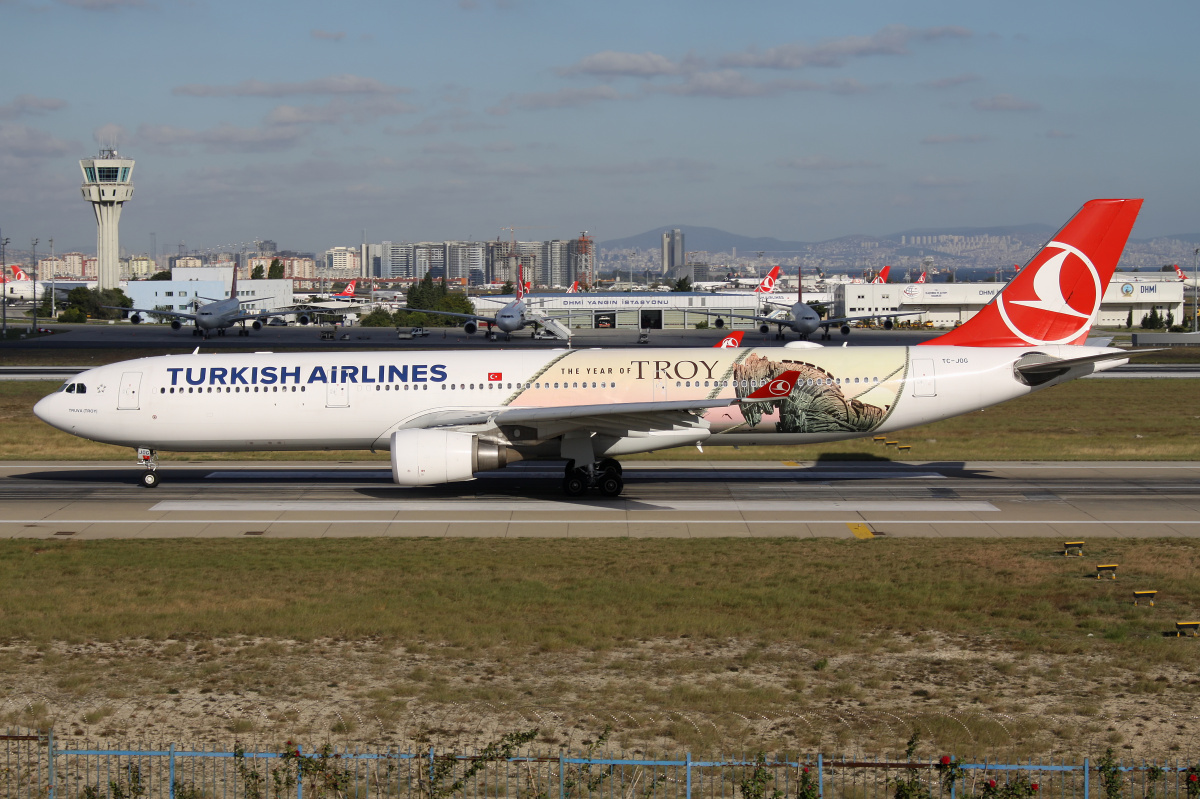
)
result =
(219, 314)
(511, 317)
(345, 400)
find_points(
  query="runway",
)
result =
(1065, 501)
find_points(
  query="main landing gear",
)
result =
(149, 459)
(605, 476)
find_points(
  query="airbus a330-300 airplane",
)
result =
(216, 315)
(446, 415)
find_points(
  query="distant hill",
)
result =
(714, 240)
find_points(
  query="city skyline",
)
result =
(453, 121)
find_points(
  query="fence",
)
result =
(36, 766)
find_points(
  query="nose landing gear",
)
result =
(149, 459)
(604, 476)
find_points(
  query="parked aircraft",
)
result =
(800, 317)
(882, 277)
(922, 278)
(1191, 282)
(216, 315)
(445, 415)
(514, 316)
(732, 341)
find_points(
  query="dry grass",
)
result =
(1002, 648)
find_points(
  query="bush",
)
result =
(72, 316)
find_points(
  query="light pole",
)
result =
(1195, 291)
(53, 274)
(33, 265)
(3, 286)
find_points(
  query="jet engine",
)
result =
(176, 324)
(432, 457)
(845, 330)
(135, 319)
(764, 329)
(469, 328)
(719, 323)
(888, 324)
(303, 319)
(257, 325)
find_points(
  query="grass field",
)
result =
(989, 647)
(1083, 420)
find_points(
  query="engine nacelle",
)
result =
(303, 319)
(176, 324)
(845, 330)
(469, 328)
(719, 323)
(257, 325)
(433, 457)
(135, 319)
(764, 329)
(888, 324)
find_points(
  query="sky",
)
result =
(309, 122)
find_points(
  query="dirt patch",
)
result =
(658, 696)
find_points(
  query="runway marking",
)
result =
(648, 474)
(614, 506)
(793, 522)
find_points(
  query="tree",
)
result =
(683, 284)
(508, 287)
(376, 318)
(163, 275)
(258, 273)
(1129, 320)
(91, 302)
(275, 271)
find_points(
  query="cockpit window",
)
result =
(68, 387)
(80, 388)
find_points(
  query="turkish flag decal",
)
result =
(495, 376)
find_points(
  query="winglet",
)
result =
(777, 388)
(1056, 297)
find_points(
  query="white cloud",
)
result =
(615, 64)
(822, 164)
(337, 110)
(223, 138)
(334, 84)
(730, 83)
(947, 83)
(892, 40)
(26, 142)
(954, 138)
(564, 98)
(1004, 102)
(30, 105)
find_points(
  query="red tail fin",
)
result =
(921, 279)
(1179, 272)
(520, 282)
(233, 288)
(19, 273)
(1056, 297)
(882, 277)
(732, 341)
(768, 283)
(348, 291)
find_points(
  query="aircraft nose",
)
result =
(49, 410)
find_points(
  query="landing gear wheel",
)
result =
(611, 485)
(574, 485)
(610, 465)
(150, 480)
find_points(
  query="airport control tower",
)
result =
(106, 185)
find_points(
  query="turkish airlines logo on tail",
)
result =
(768, 283)
(19, 273)
(1054, 298)
(921, 279)
(1179, 272)
(732, 341)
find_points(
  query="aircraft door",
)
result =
(924, 382)
(660, 391)
(338, 396)
(131, 385)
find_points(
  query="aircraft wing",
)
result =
(618, 418)
(250, 317)
(491, 320)
(172, 314)
(756, 317)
